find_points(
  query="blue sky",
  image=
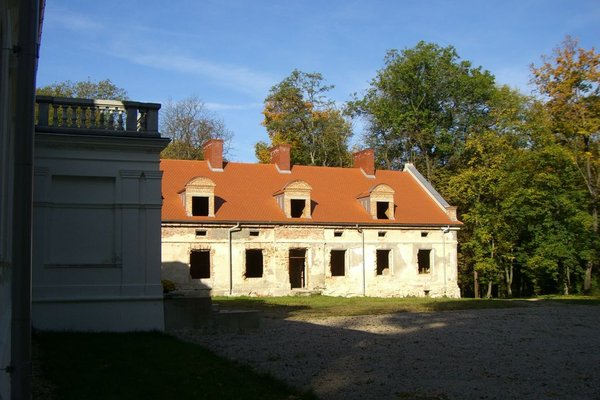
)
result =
(229, 53)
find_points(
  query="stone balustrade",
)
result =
(128, 118)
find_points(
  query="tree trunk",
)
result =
(587, 278)
(508, 272)
(476, 284)
(489, 290)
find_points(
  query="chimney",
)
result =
(280, 156)
(365, 160)
(213, 153)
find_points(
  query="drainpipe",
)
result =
(26, 50)
(444, 231)
(364, 286)
(235, 228)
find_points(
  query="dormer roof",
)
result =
(246, 194)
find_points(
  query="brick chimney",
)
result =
(365, 160)
(213, 153)
(280, 156)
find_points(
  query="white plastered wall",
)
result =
(96, 262)
(402, 279)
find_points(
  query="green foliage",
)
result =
(328, 306)
(422, 106)
(168, 286)
(297, 112)
(104, 89)
(190, 124)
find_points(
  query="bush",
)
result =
(168, 286)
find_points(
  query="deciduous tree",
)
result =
(104, 89)
(297, 112)
(190, 124)
(422, 105)
(569, 83)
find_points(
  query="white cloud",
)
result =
(72, 21)
(235, 77)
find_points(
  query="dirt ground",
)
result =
(536, 352)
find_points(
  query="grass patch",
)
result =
(571, 299)
(143, 366)
(326, 306)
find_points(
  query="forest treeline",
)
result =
(524, 170)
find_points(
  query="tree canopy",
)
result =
(297, 112)
(422, 105)
(190, 124)
(569, 83)
(104, 89)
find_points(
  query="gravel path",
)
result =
(536, 352)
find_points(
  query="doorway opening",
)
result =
(297, 265)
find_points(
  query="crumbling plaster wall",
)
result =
(402, 278)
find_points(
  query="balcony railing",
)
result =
(71, 115)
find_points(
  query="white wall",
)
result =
(96, 262)
(402, 279)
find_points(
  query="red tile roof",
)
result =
(245, 193)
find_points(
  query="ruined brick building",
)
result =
(276, 229)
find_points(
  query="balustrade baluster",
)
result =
(101, 118)
(120, 120)
(64, 110)
(74, 111)
(54, 115)
(85, 117)
(111, 120)
(142, 120)
(92, 117)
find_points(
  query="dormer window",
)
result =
(200, 206)
(297, 207)
(199, 197)
(294, 199)
(379, 202)
(383, 209)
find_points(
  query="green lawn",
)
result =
(145, 366)
(324, 306)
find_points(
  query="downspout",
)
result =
(364, 284)
(444, 231)
(229, 232)
(26, 53)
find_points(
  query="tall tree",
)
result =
(297, 112)
(104, 89)
(569, 82)
(190, 124)
(422, 105)
(480, 190)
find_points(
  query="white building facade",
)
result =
(96, 263)
(272, 230)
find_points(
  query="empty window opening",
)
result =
(338, 233)
(200, 206)
(381, 234)
(424, 234)
(424, 261)
(200, 232)
(200, 264)
(297, 208)
(382, 209)
(337, 262)
(254, 263)
(383, 262)
(297, 266)
(254, 233)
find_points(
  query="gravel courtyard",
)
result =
(535, 352)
